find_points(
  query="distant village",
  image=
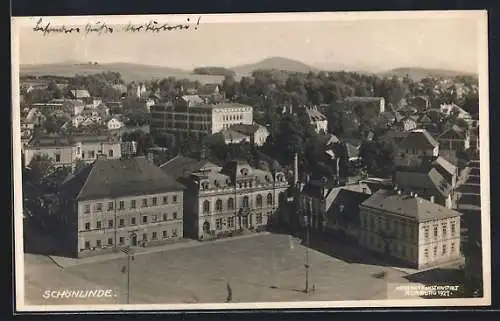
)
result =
(203, 161)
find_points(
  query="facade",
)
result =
(227, 198)
(65, 151)
(378, 103)
(455, 139)
(420, 233)
(114, 124)
(197, 118)
(416, 146)
(408, 123)
(119, 203)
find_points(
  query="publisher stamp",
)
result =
(61, 294)
(414, 291)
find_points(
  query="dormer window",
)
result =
(341, 207)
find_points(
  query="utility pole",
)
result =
(130, 257)
(306, 224)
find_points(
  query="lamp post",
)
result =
(130, 257)
(306, 265)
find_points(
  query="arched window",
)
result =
(269, 199)
(230, 204)
(245, 202)
(218, 206)
(259, 200)
(206, 207)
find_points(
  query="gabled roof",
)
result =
(314, 115)
(454, 132)
(230, 135)
(445, 165)
(350, 200)
(80, 93)
(424, 119)
(363, 99)
(112, 178)
(247, 129)
(419, 138)
(431, 181)
(415, 208)
(193, 99)
(327, 139)
(208, 89)
(180, 166)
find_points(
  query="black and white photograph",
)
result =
(251, 161)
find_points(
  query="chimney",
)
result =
(295, 169)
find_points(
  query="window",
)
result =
(218, 206)
(155, 201)
(87, 245)
(110, 241)
(110, 153)
(174, 215)
(269, 199)
(259, 200)
(218, 224)
(230, 204)
(155, 218)
(122, 240)
(453, 229)
(58, 158)
(164, 234)
(165, 199)
(245, 202)
(452, 249)
(206, 207)
(132, 204)
(78, 150)
(92, 154)
(443, 251)
(98, 224)
(230, 222)
(110, 206)
(144, 219)
(426, 253)
(435, 231)
(145, 236)
(87, 226)
(98, 243)
(444, 230)
(435, 250)
(122, 222)
(121, 205)
(174, 199)
(174, 232)
(132, 221)
(144, 202)
(426, 233)
(86, 209)
(154, 236)
(110, 223)
(165, 217)
(258, 219)
(98, 207)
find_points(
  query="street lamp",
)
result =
(130, 256)
(306, 265)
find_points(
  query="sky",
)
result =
(363, 44)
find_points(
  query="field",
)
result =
(263, 268)
(129, 72)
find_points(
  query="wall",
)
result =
(427, 243)
(156, 221)
(65, 152)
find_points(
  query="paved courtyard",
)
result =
(264, 268)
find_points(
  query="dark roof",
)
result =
(351, 201)
(180, 166)
(207, 89)
(432, 181)
(416, 208)
(246, 129)
(419, 138)
(454, 132)
(111, 178)
(393, 135)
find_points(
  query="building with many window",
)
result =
(192, 116)
(118, 203)
(410, 229)
(226, 198)
(66, 150)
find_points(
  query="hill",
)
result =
(278, 63)
(417, 73)
(129, 71)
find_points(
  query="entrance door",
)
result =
(245, 221)
(133, 241)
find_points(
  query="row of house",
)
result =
(132, 202)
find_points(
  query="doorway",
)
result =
(133, 240)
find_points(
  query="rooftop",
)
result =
(111, 178)
(431, 181)
(412, 207)
(419, 138)
(363, 99)
(246, 129)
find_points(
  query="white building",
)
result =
(115, 123)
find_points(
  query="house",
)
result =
(115, 203)
(418, 144)
(36, 117)
(455, 139)
(224, 199)
(227, 137)
(82, 94)
(115, 123)
(317, 119)
(378, 103)
(413, 230)
(453, 110)
(258, 134)
(420, 102)
(424, 122)
(209, 90)
(128, 149)
(408, 123)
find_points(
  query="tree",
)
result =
(378, 157)
(40, 166)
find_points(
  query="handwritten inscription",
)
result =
(100, 27)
